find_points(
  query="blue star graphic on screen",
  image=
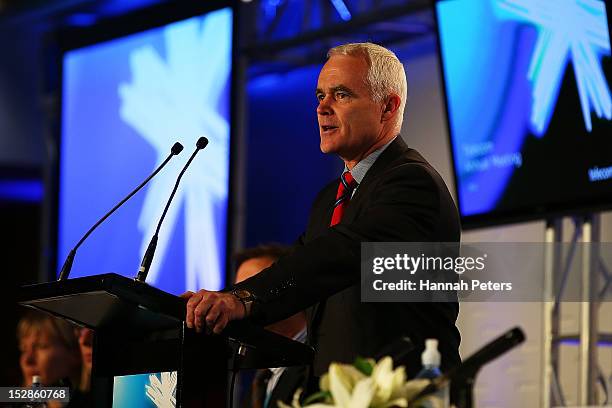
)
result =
(168, 99)
(575, 29)
(161, 389)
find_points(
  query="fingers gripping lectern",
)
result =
(140, 329)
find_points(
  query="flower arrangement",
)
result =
(363, 384)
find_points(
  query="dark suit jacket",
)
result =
(401, 199)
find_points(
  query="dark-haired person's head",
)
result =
(48, 348)
(249, 263)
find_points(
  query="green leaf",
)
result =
(317, 396)
(363, 365)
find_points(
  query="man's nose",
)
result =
(324, 107)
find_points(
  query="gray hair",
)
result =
(386, 73)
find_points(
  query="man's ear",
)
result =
(390, 107)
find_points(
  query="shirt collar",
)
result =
(360, 169)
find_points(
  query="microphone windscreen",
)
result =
(177, 148)
(202, 142)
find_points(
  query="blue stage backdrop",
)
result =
(528, 98)
(124, 104)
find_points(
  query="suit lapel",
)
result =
(391, 153)
(321, 215)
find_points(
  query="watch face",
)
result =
(242, 294)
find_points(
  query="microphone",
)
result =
(176, 149)
(145, 265)
(488, 353)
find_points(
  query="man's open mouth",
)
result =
(328, 128)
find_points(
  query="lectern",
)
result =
(141, 329)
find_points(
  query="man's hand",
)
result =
(212, 309)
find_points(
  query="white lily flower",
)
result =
(389, 385)
(382, 374)
(351, 388)
(352, 374)
(362, 394)
(340, 385)
(399, 379)
(324, 382)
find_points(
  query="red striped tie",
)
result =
(345, 190)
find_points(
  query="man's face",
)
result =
(43, 355)
(349, 120)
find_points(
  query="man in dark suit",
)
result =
(388, 193)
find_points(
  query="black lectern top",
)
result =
(114, 302)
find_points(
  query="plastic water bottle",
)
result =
(431, 370)
(36, 385)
